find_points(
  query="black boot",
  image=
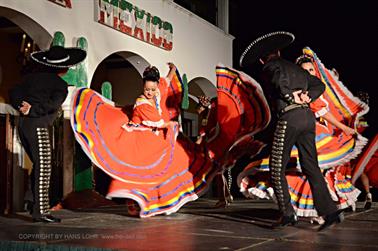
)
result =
(286, 220)
(28, 206)
(368, 201)
(46, 218)
(331, 219)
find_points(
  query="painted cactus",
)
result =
(77, 75)
(106, 90)
(185, 93)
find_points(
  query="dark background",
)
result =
(342, 34)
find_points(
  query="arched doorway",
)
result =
(197, 87)
(19, 36)
(124, 71)
(202, 86)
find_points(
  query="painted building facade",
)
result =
(122, 36)
(146, 32)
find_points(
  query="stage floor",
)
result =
(245, 225)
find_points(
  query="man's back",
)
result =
(286, 77)
(44, 91)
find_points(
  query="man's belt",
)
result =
(292, 106)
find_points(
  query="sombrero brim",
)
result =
(263, 45)
(76, 55)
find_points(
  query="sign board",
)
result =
(138, 23)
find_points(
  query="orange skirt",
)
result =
(152, 168)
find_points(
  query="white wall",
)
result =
(197, 45)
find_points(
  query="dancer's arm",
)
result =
(315, 87)
(172, 70)
(331, 119)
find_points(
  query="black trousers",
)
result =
(35, 138)
(297, 127)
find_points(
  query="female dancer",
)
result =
(143, 155)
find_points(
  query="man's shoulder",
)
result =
(288, 63)
(292, 67)
(278, 61)
(48, 78)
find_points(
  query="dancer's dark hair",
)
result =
(151, 73)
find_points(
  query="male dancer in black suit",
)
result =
(292, 90)
(38, 98)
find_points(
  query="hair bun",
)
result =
(151, 73)
(303, 59)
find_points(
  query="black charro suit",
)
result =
(295, 127)
(45, 92)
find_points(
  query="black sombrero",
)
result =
(59, 57)
(264, 45)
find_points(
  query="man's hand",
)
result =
(304, 97)
(24, 108)
(301, 97)
(297, 98)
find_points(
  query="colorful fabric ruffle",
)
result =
(368, 163)
(158, 172)
(153, 168)
(334, 146)
(242, 111)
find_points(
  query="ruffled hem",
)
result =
(142, 213)
(346, 204)
(157, 124)
(306, 212)
(162, 209)
(360, 143)
(365, 159)
(256, 193)
(331, 191)
(350, 195)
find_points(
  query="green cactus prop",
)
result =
(58, 39)
(106, 90)
(77, 75)
(82, 79)
(185, 93)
